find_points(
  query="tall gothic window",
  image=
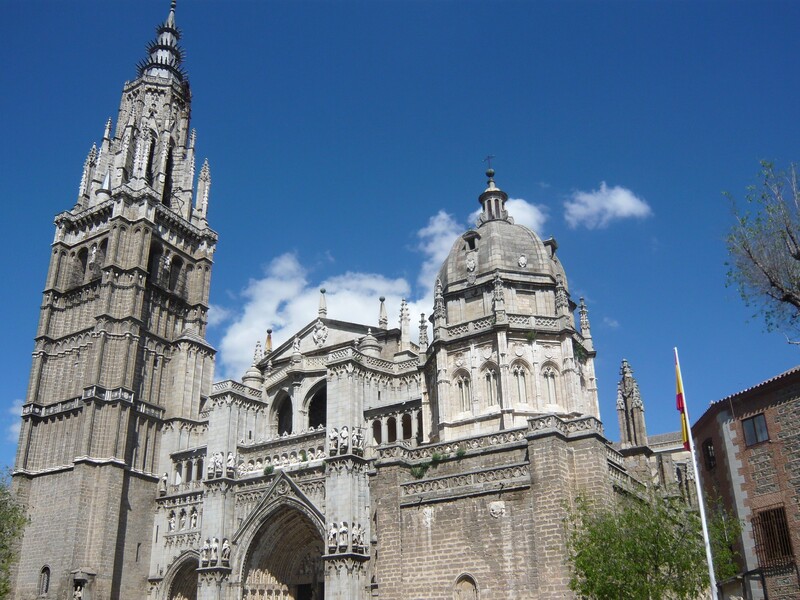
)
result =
(549, 374)
(520, 383)
(44, 581)
(490, 381)
(464, 396)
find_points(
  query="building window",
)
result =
(773, 542)
(708, 454)
(490, 377)
(755, 430)
(520, 378)
(44, 581)
(464, 395)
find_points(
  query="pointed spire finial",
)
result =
(323, 305)
(269, 341)
(258, 354)
(164, 54)
(383, 317)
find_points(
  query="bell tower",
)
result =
(120, 353)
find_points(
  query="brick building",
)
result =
(749, 452)
(350, 462)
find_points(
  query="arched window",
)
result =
(318, 408)
(154, 263)
(377, 433)
(464, 395)
(405, 422)
(490, 383)
(44, 581)
(549, 375)
(149, 171)
(176, 279)
(465, 589)
(520, 375)
(79, 268)
(391, 424)
(284, 415)
(166, 197)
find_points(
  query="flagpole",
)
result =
(700, 502)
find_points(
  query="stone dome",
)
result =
(502, 245)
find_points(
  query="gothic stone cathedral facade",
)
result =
(348, 463)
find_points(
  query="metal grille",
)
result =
(773, 542)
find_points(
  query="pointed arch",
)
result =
(521, 380)
(463, 387)
(316, 404)
(180, 580)
(280, 545)
(550, 382)
(281, 415)
(490, 380)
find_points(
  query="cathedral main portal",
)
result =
(285, 559)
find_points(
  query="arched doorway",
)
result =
(184, 583)
(285, 559)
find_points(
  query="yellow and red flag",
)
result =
(680, 404)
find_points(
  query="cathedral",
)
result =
(354, 461)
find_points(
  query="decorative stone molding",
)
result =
(572, 428)
(502, 438)
(466, 484)
(348, 565)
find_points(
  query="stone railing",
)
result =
(568, 428)
(45, 411)
(480, 481)
(445, 449)
(284, 452)
(228, 385)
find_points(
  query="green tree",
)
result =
(764, 247)
(639, 550)
(12, 520)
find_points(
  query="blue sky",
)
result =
(346, 142)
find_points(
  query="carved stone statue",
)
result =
(231, 464)
(226, 551)
(296, 345)
(343, 535)
(218, 464)
(162, 485)
(344, 440)
(357, 536)
(333, 532)
(358, 440)
(333, 436)
(205, 552)
(171, 522)
(78, 593)
(193, 519)
(183, 520)
(214, 550)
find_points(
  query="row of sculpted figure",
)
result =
(341, 441)
(338, 537)
(212, 554)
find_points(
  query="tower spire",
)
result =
(164, 55)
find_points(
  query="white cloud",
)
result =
(532, 216)
(596, 209)
(436, 240)
(217, 315)
(12, 429)
(611, 323)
